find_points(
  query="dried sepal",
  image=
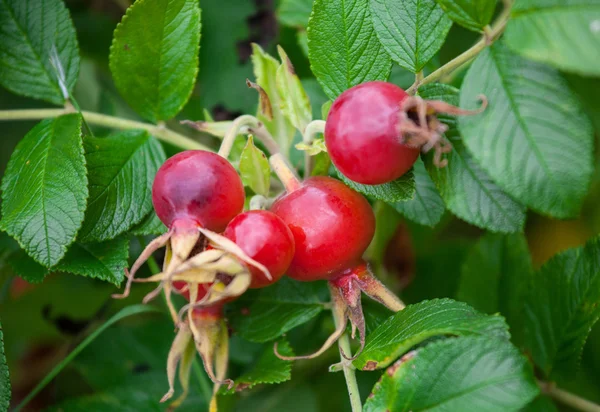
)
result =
(182, 340)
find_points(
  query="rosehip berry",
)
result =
(362, 135)
(264, 237)
(332, 226)
(197, 186)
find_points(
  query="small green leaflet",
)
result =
(39, 56)
(411, 31)
(121, 169)
(471, 14)
(27, 268)
(255, 169)
(422, 321)
(561, 307)
(106, 261)
(5, 389)
(154, 56)
(427, 207)
(265, 71)
(467, 190)
(266, 314)
(294, 102)
(267, 369)
(469, 374)
(44, 189)
(565, 34)
(397, 190)
(342, 46)
(534, 139)
(496, 276)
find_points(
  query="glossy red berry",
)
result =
(332, 227)
(197, 186)
(362, 137)
(264, 237)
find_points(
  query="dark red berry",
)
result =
(362, 134)
(264, 237)
(332, 227)
(197, 186)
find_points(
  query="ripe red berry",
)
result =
(197, 186)
(362, 134)
(264, 237)
(332, 227)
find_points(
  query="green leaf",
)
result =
(267, 369)
(154, 56)
(467, 190)
(254, 169)
(412, 32)
(33, 32)
(150, 225)
(463, 374)
(105, 261)
(294, 13)
(561, 308)
(27, 268)
(4, 377)
(563, 33)
(397, 190)
(123, 313)
(533, 139)
(496, 276)
(422, 321)
(265, 71)
(471, 14)
(264, 315)
(121, 169)
(540, 404)
(44, 189)
(342, 46)
(427, 207)
(293, 99)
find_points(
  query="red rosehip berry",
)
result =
(332, 226)
(264, 237)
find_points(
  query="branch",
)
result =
(160, 132)
(567, 398)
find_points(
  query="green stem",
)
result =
(251, 125)
(312, 129)
(349, 374)
(491, 34)
(160, 132)
(567, 398)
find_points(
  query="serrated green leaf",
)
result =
(150, 225)
(265, 71)
(471, 14)
(33, 31)
(5, 389)
(44, 189)
(532, 134)
(496, 276)
(254, 169)
(412, 32)
(422, 321)
(563, 33)
(467, 190)
(427, 207)
(264, 315)
(105, 261)
(293, 99)
(468, 374)
(268, 369)
(342, 46)
(121, 169)
(27, 268)
(397, 190)
(294, 13)
(154, 56)
(562, 306)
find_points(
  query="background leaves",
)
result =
(471, 14)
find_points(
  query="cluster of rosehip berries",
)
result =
(318, 230)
